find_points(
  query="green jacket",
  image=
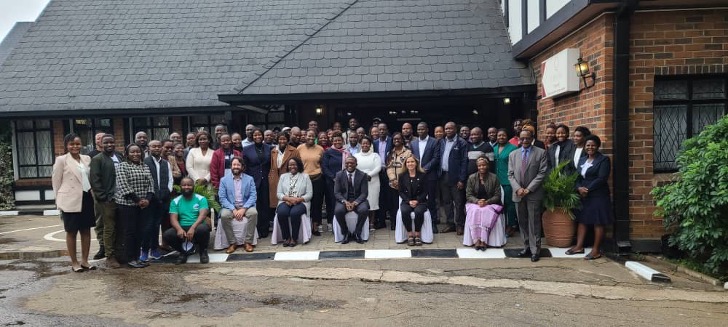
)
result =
(103, 177)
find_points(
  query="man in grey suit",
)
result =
(526, 171)
(351, 188)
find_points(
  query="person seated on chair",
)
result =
(187, 215)
(413, 191)
(482, 208)
(295, 191)
(350, 190)
(237, 195)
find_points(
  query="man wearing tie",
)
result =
(526, 171)
(426, 149)
(350, 190)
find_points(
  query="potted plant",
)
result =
(560, 199)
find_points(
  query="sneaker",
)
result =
(204, 257)
(181, 259)
(155, 255)
(320, 228)
(136, 264)
(330, 227)
(144, 256)
(101, 254)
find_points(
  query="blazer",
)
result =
(217, 166)
(566, 152)
(257, 166)
(596, 176)
(103, 177)
(536, 169)
(430, 159)
(457, 161)
(341, 186)
(333, 162)
(492, 188)
(417, 190)
(66, 180)
(304, 189)
(226, 193)
(275, 172)
(387, 148)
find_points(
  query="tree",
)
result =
(695, 205)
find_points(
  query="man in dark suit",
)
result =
(350, 190)
(159, 206)
(257, 165)
(527, 168)
(453, 176)
(427, 150)
(382, 146)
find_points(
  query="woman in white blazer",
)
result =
(294, 192)
(72, 190)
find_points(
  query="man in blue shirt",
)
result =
(237, 197)
(187, 214)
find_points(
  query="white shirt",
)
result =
(85, 185)
(422, 145)
(558, 150)
(577, 155)
(449, 143)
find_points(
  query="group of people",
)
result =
(299, 176)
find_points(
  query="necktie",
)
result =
(351, 179)
(523, 165)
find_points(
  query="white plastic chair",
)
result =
(426, 234)
(497, 236)
(351, 218)
(221, 241)
(304, 233)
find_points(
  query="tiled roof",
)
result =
(12, 39)
(401, 45)
(112, 54)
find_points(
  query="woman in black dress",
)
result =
(592, 186)
(72, 191)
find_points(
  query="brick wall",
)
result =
(58, 133)
(665, 43)
(662, 43)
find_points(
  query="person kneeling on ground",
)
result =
(238, 196)
(351, 189)
(187, 214)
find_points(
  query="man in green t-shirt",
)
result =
(187, 214)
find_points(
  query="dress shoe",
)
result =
(101, 254)
(248, 247)
(345, 240)
(358, 239)
(448, 229)
(182, 258)
(231, 249)
(459, 231)
(204, 257)
(434, 230)
(292, 243)
(112, 263)
(524, 253)
(535, 257)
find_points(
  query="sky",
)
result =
(12, 11)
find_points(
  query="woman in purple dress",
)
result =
(593, 188)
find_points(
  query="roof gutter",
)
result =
(620, 125)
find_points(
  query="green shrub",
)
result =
(7, 198)
(560, 190)
(695, 206)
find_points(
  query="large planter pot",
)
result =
(558, 227)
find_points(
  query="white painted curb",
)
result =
(54, 212)
(8, 213)
(647, 272)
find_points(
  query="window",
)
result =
(207, 123)
(274, 118)
(34, 143)
(682, 108)
(157, 128)
(86, 128)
